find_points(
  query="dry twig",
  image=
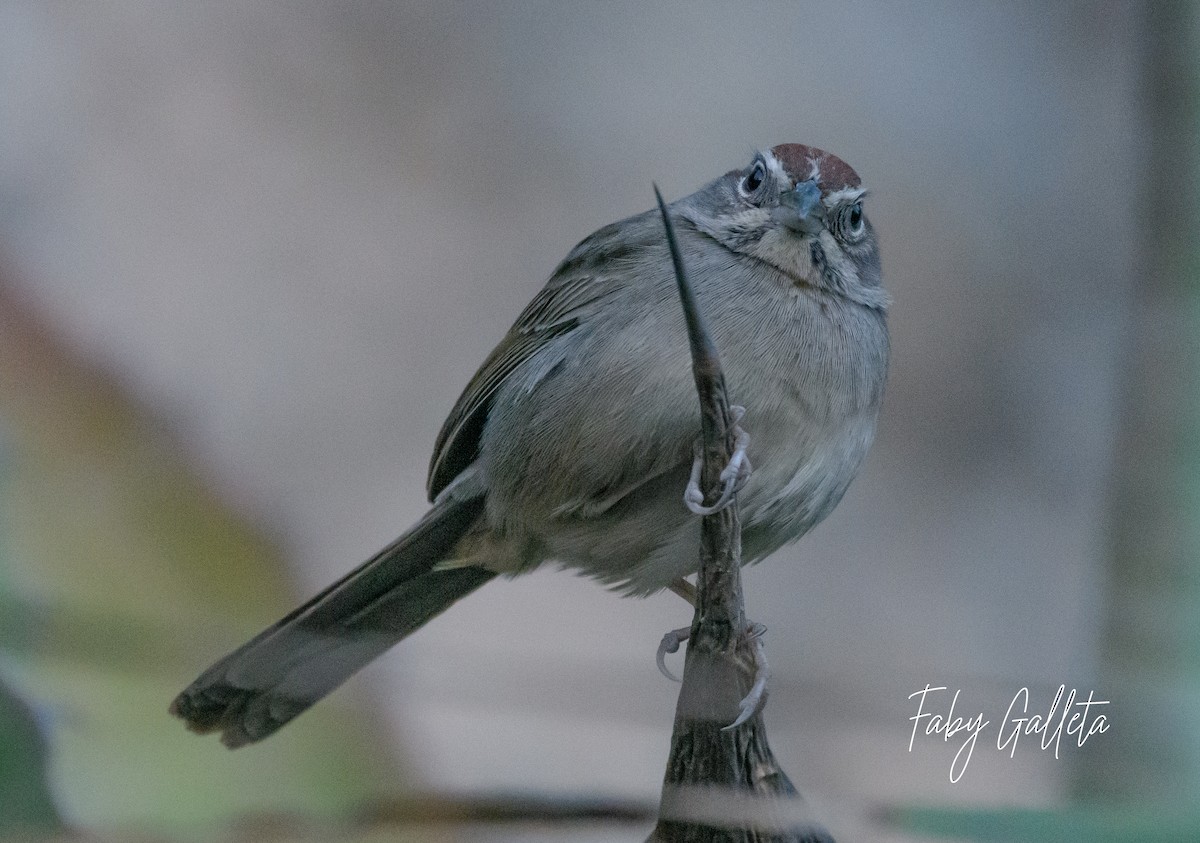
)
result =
(721, 784)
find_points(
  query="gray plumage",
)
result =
(573, 442)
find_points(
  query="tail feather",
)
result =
(282, 671)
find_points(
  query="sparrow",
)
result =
(573, 441)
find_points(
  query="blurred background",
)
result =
(251, 253)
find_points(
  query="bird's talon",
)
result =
(757, 696)
(733, 476)
(670, 644)
(747, 711)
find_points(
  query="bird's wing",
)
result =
(579, 283)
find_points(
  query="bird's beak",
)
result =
(800, 209)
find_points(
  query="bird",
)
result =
(573, 441)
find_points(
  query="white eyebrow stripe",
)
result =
(846, 195)
(774, 165)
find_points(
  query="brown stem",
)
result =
(720, 785)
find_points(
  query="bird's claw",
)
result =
(733, 477)
(670, 644)
(754, 700)
(757, 696)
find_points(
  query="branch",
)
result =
(721, 783)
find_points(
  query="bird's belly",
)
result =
(650, 539)
(796, 484)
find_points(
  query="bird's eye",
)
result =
(754, 178)
(853, 224)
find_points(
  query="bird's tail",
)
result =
(262, 685)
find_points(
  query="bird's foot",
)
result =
(670, 644)
(733, 476)
(752, 639)
(753, 702)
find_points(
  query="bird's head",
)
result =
(799, 209)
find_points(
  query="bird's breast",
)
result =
(811, 378)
